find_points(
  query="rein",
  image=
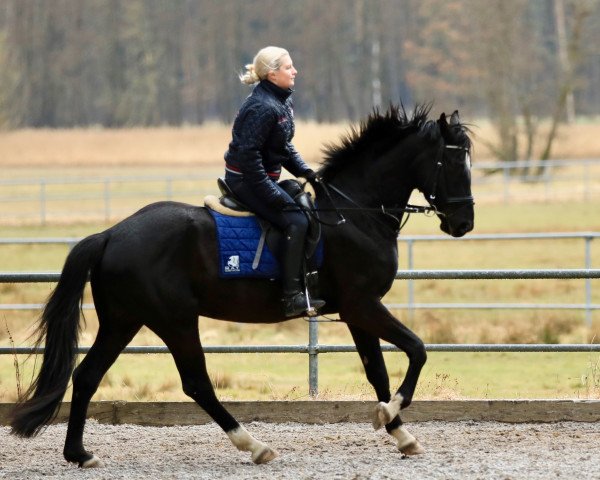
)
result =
(389, 212)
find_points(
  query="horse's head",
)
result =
(448, 189)
(380, 164)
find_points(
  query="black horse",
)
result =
(159, 268)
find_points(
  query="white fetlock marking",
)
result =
(407, 444)
(394, 405)
(385, 412)
(93, 462)
(261, 452)
(403, 437)
(243, 440)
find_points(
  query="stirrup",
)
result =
(299, 303)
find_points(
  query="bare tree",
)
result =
(563, 55)
(151, 62)
(523, 83)
(581, 10)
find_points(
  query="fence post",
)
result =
(411, 285)
(588, 282)
(506, 177)
(313, 357)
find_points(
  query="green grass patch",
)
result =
(446, 375)
(285, 377)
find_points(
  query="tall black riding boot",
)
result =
(294, 299)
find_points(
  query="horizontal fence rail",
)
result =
(410, 241)
(495, 274)
(415, 306)
(313, 348)
(572, 273)
(322, 348)
(112, 197)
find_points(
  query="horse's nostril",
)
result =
(464, 228)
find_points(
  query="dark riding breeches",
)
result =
(294, 225)
(280, 218)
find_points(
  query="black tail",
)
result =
(59, 326)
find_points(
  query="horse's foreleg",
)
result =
(380, 323)
(369, 350)
(189, 358)
(391, 330)
(260, 452)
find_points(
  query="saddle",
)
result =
(264, 250)
(229, 201)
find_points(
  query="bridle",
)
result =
(391, 213)
(439, 164)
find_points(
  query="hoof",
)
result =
(382, 416)
(93, 462)
(265, 456)
(413, 448)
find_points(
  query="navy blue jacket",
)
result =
(261, 141)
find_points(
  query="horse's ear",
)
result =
(455, 119)
(443, 119)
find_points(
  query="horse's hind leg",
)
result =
(187, 351)
(109, 343)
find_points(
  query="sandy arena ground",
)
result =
(461, 450)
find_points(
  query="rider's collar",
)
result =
(282, 94)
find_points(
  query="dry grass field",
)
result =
(158, 147)
(54, 153)
(205, 145)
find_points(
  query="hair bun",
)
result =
(266, 60)
(250, 77)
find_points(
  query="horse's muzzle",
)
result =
(458, 223)
(456, 230)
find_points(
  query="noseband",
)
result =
(466, 199)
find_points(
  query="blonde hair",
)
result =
(266, 60)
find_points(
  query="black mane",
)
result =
(376, 134)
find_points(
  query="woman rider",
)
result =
(260, 146)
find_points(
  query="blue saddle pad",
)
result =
(238, 240)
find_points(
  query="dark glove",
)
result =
(310, 175)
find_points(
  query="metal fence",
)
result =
(313, 349)
(410, 241)
(109, 198)
(586, 305)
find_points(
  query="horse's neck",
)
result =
(373, 188)
(361, 206)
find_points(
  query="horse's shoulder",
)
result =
(358, 249)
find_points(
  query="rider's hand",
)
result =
(310, 175)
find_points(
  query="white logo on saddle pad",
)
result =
(233, 264)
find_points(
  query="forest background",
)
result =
(114, 63)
